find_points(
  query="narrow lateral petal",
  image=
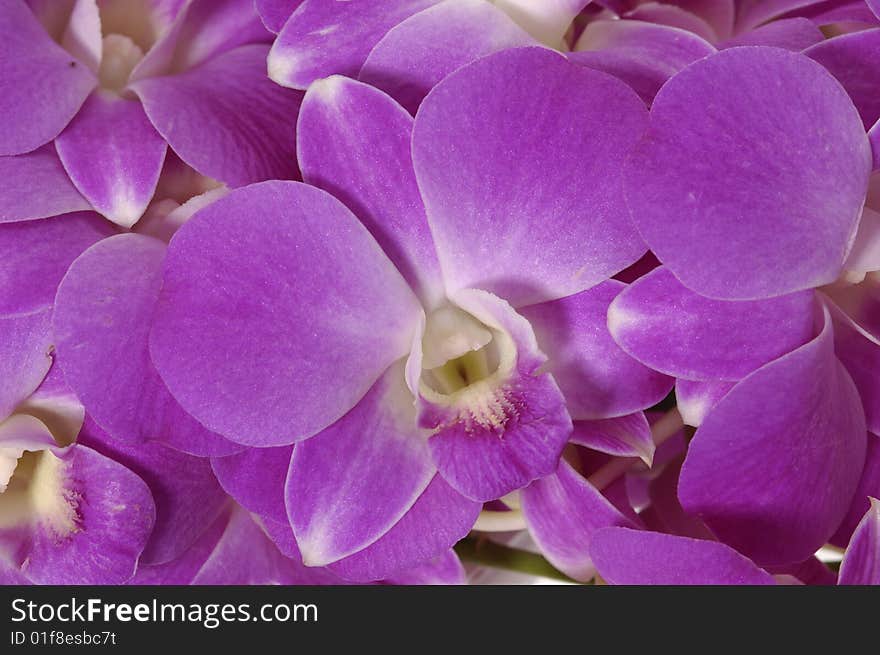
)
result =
(325, 38)
(255, 478)
(696, 398)
(523, 196)
(597, 378)
(500, 433)
(563, 512)
(636, 557)
(623, 436)
(93, 512)
(446, 569)
(187, 496)
(869, 487)
(113, 155)
(644, 55)
(854, 59)
(771, 206)
(354, 141)
(426, 47)
(773, 467)
(859, 350)
(861, 561)
(36, 255)
(274, 13)
(225, 118)
(277, 314)
(25, 356)
(664, 325)
(35, 185)
(101, 322)
(41, 85)
(439, 518)
(351, 483)
(795, 34)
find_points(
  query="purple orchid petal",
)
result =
(672, 16)
(757, 12)
(874, 138)
(282, 536)
(773, 206)
(795, 34)
(503, 183)
(256, 477)
(865, 254)
(869, 486)
(859, 350)
(352, 482)
(874, 6)
(187, 496)
(597, 378)
(853, 60)
(563, 512)
(719, 14)
(233, 339)
(55, 404)
(102, 324)
(201, 30)
(36, 255)
(445, 569)
(82, 33)
(831, 12)
(505, 430)
(89, 510)
(696, 398)
(35, 185)
(438, 519)
(322, 38)
(354, 141)
(861, 561)
(635, 557)
(808, 572)
(644, 55)
(113, 155)
(665, 512)
(25, 347)
(225, 118)
(41, 85)
(18, 433)
(624, 436)
(274, 13)
(666, 326)
(415, 55)
(774, 466)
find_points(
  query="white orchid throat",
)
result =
(466, 367)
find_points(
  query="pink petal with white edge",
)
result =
(861, 561)
(563, 512)
(35, 185)
(773, 467)
(547, 20)
(102, 321)
(695, 399)
(113, 155)
(598, 379)
(445, 569)
(41, 86)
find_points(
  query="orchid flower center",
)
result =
(32, 489)
(136, 20)
(119, 57)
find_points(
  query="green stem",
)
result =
(489, 553)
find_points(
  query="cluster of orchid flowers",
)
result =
(308, 291)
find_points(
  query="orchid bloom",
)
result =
(94, 92)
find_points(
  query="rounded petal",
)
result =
(277, 313)
(861, 561)
(274, 13)
(597, 378)
(664, 325)
(635, 557)
(41, 85)
(25, 356)
(795, 34)
(102, 323)
(774, 466)
(742, 193)
(523, 196)
(256, 477)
